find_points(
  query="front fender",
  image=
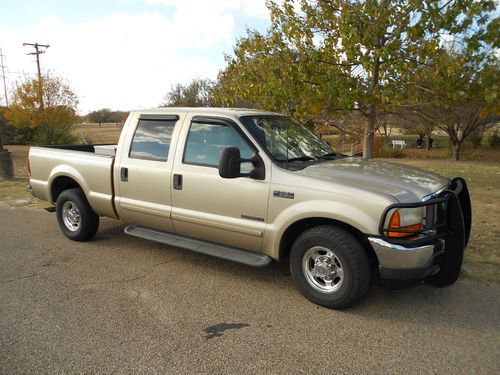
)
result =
(365, 220)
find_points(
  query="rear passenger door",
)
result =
(143, 173)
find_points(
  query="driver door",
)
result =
(232, 212)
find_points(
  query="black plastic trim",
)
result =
(124, 174)
(177, 182)
(159, 117)
(83, 148)
(213, 120)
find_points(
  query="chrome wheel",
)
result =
(323, 269)
(71, 216)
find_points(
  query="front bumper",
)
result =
(434, 253)
(400, 262)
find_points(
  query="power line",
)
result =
(38, 51)
(3, 76)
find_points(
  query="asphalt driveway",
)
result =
(121, 304)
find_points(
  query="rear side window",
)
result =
(206, 141)
(152, 140)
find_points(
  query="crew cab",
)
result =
(254, 187)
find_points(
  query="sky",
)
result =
(124, 54)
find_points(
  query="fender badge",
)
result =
(283, 194)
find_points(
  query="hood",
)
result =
(404, 183)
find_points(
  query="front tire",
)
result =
(330, 267)
(75, 217)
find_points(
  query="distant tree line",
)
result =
(197, 93)
(105, 115)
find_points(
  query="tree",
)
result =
(343, 55)
(460, 94)
(198, 93)
(54, 123)
(420, 121)
(100, 116)
(386, 122)
(106, 115)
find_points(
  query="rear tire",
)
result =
(75, 217)
(330, 267)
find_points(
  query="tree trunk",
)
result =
(428, 144)
(455, 148)
(1, 137)
(341, 137)
(369, 134)
(372, 113)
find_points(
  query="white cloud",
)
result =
(252, 8)
(125, 61)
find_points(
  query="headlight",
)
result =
(407, 219)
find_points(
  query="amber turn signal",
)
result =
(395, 223)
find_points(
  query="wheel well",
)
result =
(294, 230)
(60, 184)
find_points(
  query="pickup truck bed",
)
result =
(54, 168)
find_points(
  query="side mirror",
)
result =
(230, 165)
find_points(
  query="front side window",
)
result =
(205, 143)
(152, 140)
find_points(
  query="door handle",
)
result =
(177, 182)
(124, 174)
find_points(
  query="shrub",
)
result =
(494, 140)
(386, 151)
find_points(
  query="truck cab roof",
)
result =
(231, 112)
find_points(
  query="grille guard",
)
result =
(453, 217)
(457, 191)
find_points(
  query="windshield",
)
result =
(285, 138)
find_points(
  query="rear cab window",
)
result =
(152, 138)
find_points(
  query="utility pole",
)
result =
(4, 84)
(38, 52)
(6, 169)
(6, 99)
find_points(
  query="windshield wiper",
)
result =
(301, 158)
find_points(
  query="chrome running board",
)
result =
(208, 248)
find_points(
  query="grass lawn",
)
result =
(481, 169)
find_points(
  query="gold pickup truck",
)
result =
(252, 187)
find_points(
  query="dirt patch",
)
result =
(14, 193)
